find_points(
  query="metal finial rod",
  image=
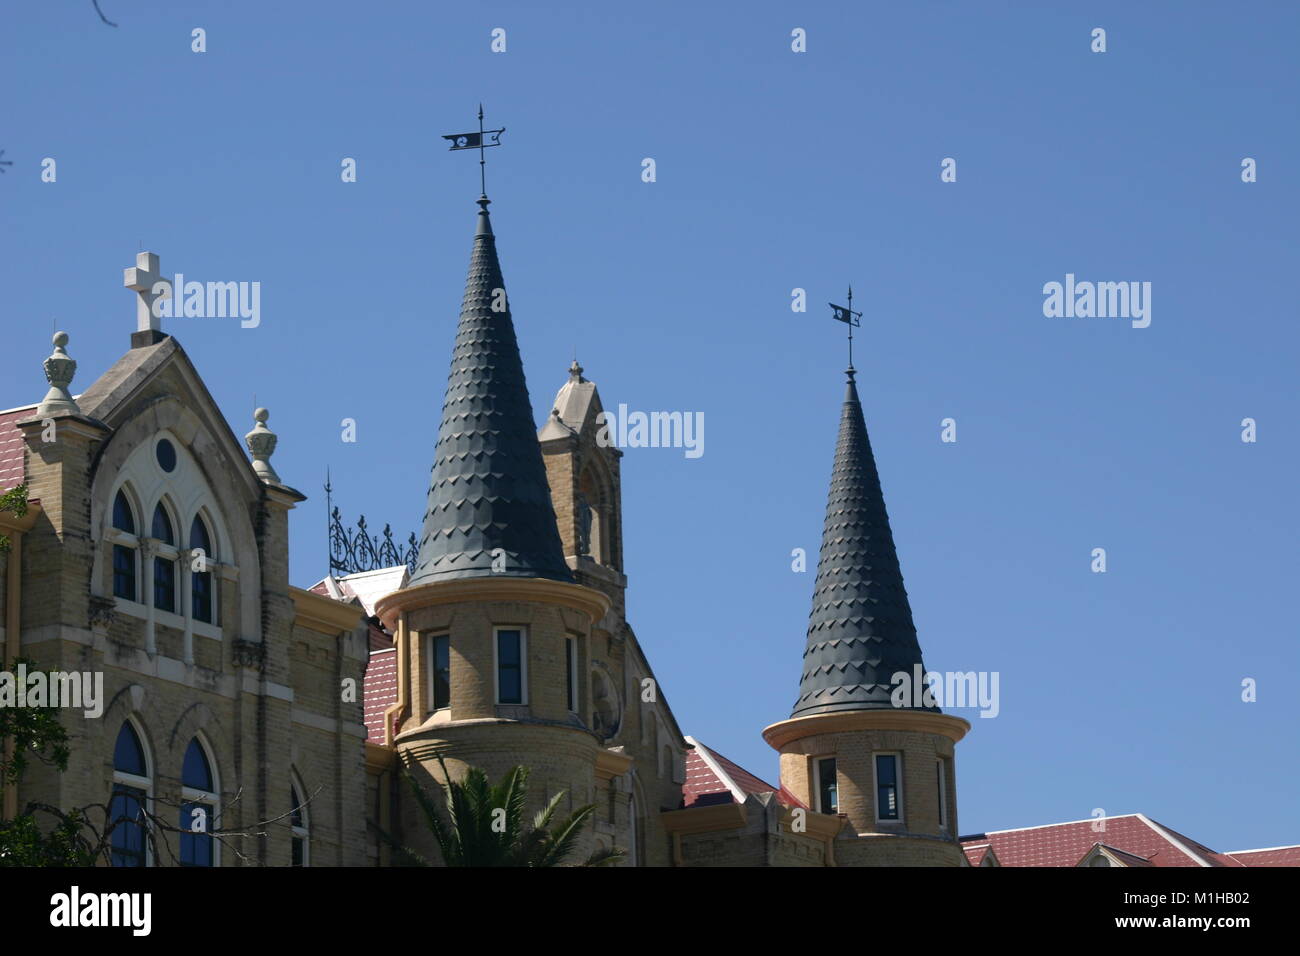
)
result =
(482, 159)
(850, 327)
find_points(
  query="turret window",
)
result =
(512, 668)
(440, 671)
(889, 797)
(828, 796)
(941, 773)
(571, 673)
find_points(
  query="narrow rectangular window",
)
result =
(441, 669)
(201, 596)
(164, 584)
(124, 572)
(510, 667)
(887, 798)
(571, 672)
(943, 792)
(828, 798)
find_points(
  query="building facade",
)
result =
(245, 721)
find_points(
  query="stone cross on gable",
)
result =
(142, 279)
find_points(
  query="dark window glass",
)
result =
(123, 516)
(124, 572)
(165, 451)
(297, 820)
(569, 652)
(126, 810)
(195, 772)
(943, 810)
(162, 525)
(128, 755)
(441, 672)
(196, 846)
(200, 581)
(510, 676)
(295, 814)
(164, 584)
(828, 800)
(297, 852)
(886, 787)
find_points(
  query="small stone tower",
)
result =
(492, 630)
(849, 747)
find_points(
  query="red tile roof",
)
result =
(11, 447)
(712, 778)
(1066, 844)
(1270, 856)
(379, 692)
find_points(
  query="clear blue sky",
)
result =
(776, 170)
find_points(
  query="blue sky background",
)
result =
(776, 170)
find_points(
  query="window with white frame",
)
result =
(126, 546)
(202, 594)
(511, 665)
(199, 806)
(439, 651)
(889, 788)
(164, 562)
(129, 804)
(827, 784)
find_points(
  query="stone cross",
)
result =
(142, 279)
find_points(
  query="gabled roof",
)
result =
(366, 587)
(1269, 856)
(574, 403)
(1066, 844)
(712, 778)
(1116, 856)
(860, 630)
(488, 490)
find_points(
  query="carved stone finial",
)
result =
(261, 445)
(575, 372)
(59, 370)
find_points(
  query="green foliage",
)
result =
(37, 733)
(13, 501)
(485, 824)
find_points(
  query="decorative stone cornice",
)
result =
(846, 721)
(591, 602)
(323, 614)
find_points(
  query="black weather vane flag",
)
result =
(480, 141)
(850, 318)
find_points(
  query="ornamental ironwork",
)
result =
(353, 550)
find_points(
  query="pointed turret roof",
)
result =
(860, 631)
(488, 487)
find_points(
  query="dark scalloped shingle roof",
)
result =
(860, 630)
(488, 487)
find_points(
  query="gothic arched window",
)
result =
(198, 807)
(124, 549)
(132, 783)
(201, 605)
(164, 567)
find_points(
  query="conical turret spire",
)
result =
(860, 631)
(489, 509)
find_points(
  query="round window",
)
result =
(166, 453)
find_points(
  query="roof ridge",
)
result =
(1170, 836)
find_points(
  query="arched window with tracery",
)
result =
(125, 545)
(164, 563)
(198, 807)
(129, 804)
(201, 556)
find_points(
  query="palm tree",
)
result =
(485, 825)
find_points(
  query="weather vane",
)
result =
(480, 142)
(848, 317)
